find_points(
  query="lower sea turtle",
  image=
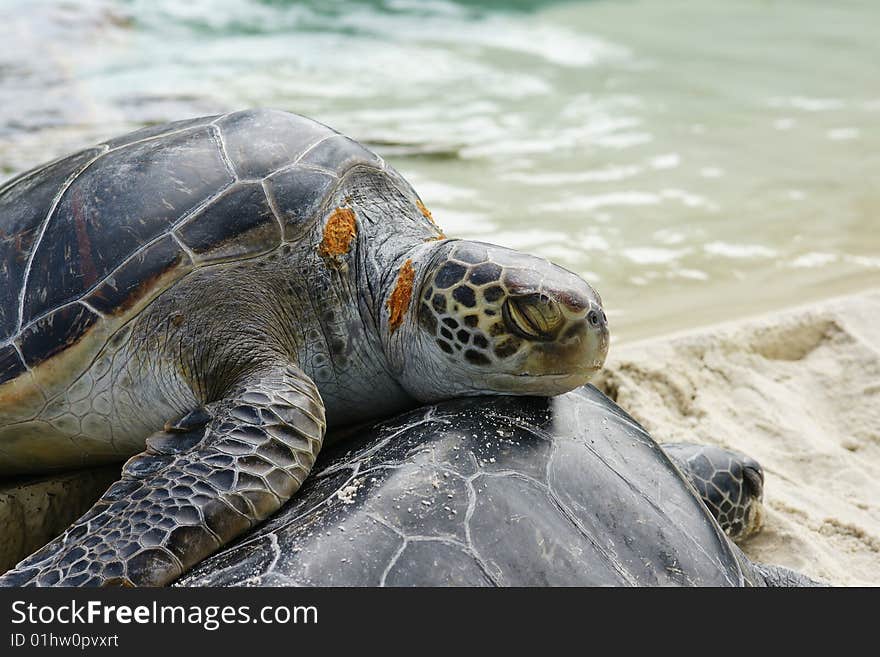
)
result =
(524, 491)
(206, 296)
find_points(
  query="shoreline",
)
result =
(737, 311)
(799, 390)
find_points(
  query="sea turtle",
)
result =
(203, 294)
(512, 491)
(730, 484)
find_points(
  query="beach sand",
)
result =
(799, 390)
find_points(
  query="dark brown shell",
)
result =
(572, 493)
(87, 238)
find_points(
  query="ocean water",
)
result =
(696, 161)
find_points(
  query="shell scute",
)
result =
(339, 153)
(239, 224)
(297, 195)
(152, 131)
(130, 283)
(113, 210)
(25, 202)
(11, 364)
(55, 332)
(261, 141)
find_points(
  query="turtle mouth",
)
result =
(545, 385)
(588, 368)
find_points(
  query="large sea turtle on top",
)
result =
(206, 296)
(510, 491)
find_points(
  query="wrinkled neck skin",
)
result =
(421, 369)
(409, 356)
(391, 230)
(404, 344)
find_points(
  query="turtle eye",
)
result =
(535, 316)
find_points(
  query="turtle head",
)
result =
(492, 320)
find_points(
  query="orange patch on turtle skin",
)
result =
(425, 211)
(398, 302)
(427, 214)
(340, 230)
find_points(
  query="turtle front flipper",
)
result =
(193, 491)
(730, 484)
(777, 576)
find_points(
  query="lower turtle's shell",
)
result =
(490, 491)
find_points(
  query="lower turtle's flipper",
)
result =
(191, 491)
(730, 484)
(779, 576)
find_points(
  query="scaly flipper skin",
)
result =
(190, 493)
(777, 576)
(731, 485)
